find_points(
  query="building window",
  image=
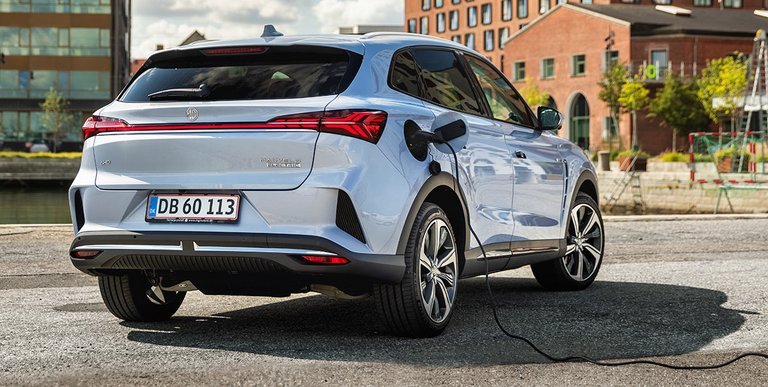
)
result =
(586, 1)
(660, 59)
(609, 128)
(630, 1)
(441, 22)
(486, 10)
(518, 71)
(702, 3)
(543, 6)
(472, 16)
(548, 68)
(456, 38)
(503, 36)
(561, 1)
(412, 26)
(611, 58)
(438, 3)
(522, 9)
(453, 20)
(662, 2)
(469, 40)
(455, 1)
(425, 5)
(424, 25)
(506, 10)
(579, 66)
(488, 40)
(732, 3)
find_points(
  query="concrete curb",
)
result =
(666, 218)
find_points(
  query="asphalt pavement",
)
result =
(678, 290)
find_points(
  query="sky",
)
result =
(169, 22)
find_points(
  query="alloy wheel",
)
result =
(438, 270)
(584, 243)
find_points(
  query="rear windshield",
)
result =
(277, 73)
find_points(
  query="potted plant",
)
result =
(625, 160)
(731, 158)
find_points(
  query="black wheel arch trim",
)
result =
(585, 176)
(443, 179)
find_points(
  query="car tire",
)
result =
(423, 303)
(126, 296)
(585, 243)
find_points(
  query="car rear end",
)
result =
(225, 164)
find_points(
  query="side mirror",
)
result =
(549, 119)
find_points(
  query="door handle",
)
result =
(520, 155)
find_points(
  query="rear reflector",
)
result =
(325, 259)
(84, 253)
(363, 124)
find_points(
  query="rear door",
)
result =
(239, 118)
(486, 164)
(539, 171)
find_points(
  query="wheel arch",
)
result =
(586, 183)
(439, 190)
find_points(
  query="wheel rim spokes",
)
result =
(438, 268)
(583, 250)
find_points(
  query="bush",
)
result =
(41, 155)
(631, 153)
(731, 152)
(702, 158)
(674, 157)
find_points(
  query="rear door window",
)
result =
(230, 74)
(445, 81)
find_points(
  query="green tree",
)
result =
(611, 82)
(533, 94)
(678, 105)
(721, 87)
(633, 98)
(56, 116)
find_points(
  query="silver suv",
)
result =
(282, 165)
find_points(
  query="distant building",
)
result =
(79, 47)
(569, 67)
(364, 29)
(195, 36)
(484, 26)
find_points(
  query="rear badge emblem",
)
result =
(192, 114)
(276, 162)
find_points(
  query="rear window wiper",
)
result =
(184, 93)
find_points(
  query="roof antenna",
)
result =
(270, 32)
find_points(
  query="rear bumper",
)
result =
(228, 253)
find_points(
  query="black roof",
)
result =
(646, 20)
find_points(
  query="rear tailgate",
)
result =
(202, 123)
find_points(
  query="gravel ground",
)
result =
(684, 292)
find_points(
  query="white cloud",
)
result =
(332, 14)
(168, 22)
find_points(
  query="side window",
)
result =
(505, 103)
(405, 74)
(445, 82)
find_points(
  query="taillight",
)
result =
(96, 124)
(363, 124)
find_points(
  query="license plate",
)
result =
(193, 208)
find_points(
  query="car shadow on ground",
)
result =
(608, 321)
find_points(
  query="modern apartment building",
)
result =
(78, 47)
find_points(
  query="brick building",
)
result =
(561, 45)
(569, 67)
(78, 47)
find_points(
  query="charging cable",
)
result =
(567, 359)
